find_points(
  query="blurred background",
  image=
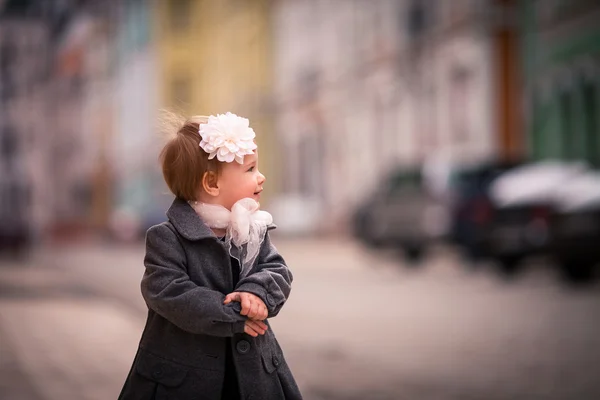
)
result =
(432, 166)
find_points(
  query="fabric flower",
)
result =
(227, 137)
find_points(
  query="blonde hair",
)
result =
(183, 161)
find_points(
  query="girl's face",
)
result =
(238, 181)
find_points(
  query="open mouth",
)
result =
(258, 193)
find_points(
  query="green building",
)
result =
(560, 55)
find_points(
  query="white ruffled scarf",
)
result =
(245, 226)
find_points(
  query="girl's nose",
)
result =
(261, 178)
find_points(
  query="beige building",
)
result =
(362, 87)
(216, 56)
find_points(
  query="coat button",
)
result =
(157, 373)
(275, 361)
(270, 300)
(243, 346)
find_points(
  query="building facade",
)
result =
(561, 64)
(57, 115)
(23, 121)
(80, 100)
(363, 87)
(139, 196)
(216, 56)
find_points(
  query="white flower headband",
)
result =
(227, 137)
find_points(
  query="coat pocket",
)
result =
(159, 370)
(270, 357)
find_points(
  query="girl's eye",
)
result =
(250, 169)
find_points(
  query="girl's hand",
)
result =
(255, 328)
(252, 305)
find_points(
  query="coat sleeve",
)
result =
(168, 290)
(271, 280)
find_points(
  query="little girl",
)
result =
(212, 276)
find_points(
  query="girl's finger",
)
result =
(235, 296)
(259, 327)
(250, 331)
(259, 313)
(253, 311)
(264, 313)
(246, 305)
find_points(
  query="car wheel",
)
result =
(577, 270)
(509, 266)
(474, 254)
(413, 254)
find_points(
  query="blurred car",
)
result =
(546, 208)
(415, 208)
(576, 227)
(471, 211)
(400, 213)
(519, 231)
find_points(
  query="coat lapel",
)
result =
(187, 222)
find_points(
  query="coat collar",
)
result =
(189, 224)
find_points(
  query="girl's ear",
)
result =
(210, 183)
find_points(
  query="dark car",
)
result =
(415, 208)
(576, 228)
(519, 231)
(471, 212)
(536, 211)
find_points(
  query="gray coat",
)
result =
(182, 351)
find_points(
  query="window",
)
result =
(137, 25)
(590, 110)
(460, 85)
(8, 143)
(7, 61)
(566, 113)
(416, 22)
(403, 181)
(179, 15)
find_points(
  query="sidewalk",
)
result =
(72, 317)
(14, 383)
(59, 340)
(357, 326)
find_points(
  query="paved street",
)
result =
(359, 325)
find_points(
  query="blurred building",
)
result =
(561, 63)
(57, 117)
(138, 196)
(23, 121)
(95, 74)
(214, 57)
(362, 87)
(99, 59)
(356, 88)
(192, 57)
(80, 113)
